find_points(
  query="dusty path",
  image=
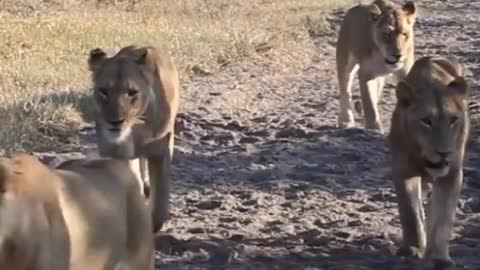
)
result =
(265, 181)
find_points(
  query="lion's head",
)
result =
(433, 100)
(392, 30)
(122, 87)
(26, 208)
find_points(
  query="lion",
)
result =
(85, 214)
(375, 40)
(429, 130)
(137, 94)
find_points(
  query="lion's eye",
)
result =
(103, 92)
(453, 121)
(427, 122)
(132, 92)
(405, 35)
(387, 35)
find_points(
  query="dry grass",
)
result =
(43, 73)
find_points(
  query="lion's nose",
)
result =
(117, 123)
(397, 56)
(443, 153)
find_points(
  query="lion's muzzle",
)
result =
(116, 125)
(438, 168)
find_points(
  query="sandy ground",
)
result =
(264, 179)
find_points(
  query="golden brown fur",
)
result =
(429, 130)
(137, 95)
(377, 41)
(83, 215)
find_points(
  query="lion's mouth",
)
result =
(116, 125)
(436, 165)
(391, 62)
(115, 129)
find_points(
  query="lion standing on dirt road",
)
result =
(137, 94)
(429, 131)
(377, 40)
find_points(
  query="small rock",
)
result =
(473, 205)
(354, 223)
(237, 237)
(343, 234)
(259, 133)
(286, 204)
(242, 209)
(197, 70)
(222, 256)
(246, 221)
(384, 196)
(248, 139)
(167, 244)
(234, 125)
(209, 205)
(252, 202)
(227, 219)
(294, 195)
(368, 208)
(291, 132)
(197, 230)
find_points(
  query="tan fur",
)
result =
(430, 127)
(137, 92)
(83, 215)
(377, 40)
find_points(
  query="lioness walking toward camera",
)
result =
(377, 41)
(83, 215)
(430, 126)
(137, 93)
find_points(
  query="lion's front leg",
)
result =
(171, 143)
(370, 91)
(135, 166)
(143, 166)
(160, 179)
(445, 194)
(346, 70)
(409, 199)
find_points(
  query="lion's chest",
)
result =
(126, 146)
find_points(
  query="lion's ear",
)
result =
(459, 87)
(144, 56)
(405, 94)
(409, 8)
(95, 58)
(374, 12)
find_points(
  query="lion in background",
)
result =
(136, 93)
(429, 131)
(375, 41)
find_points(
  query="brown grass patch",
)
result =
(44, 79)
